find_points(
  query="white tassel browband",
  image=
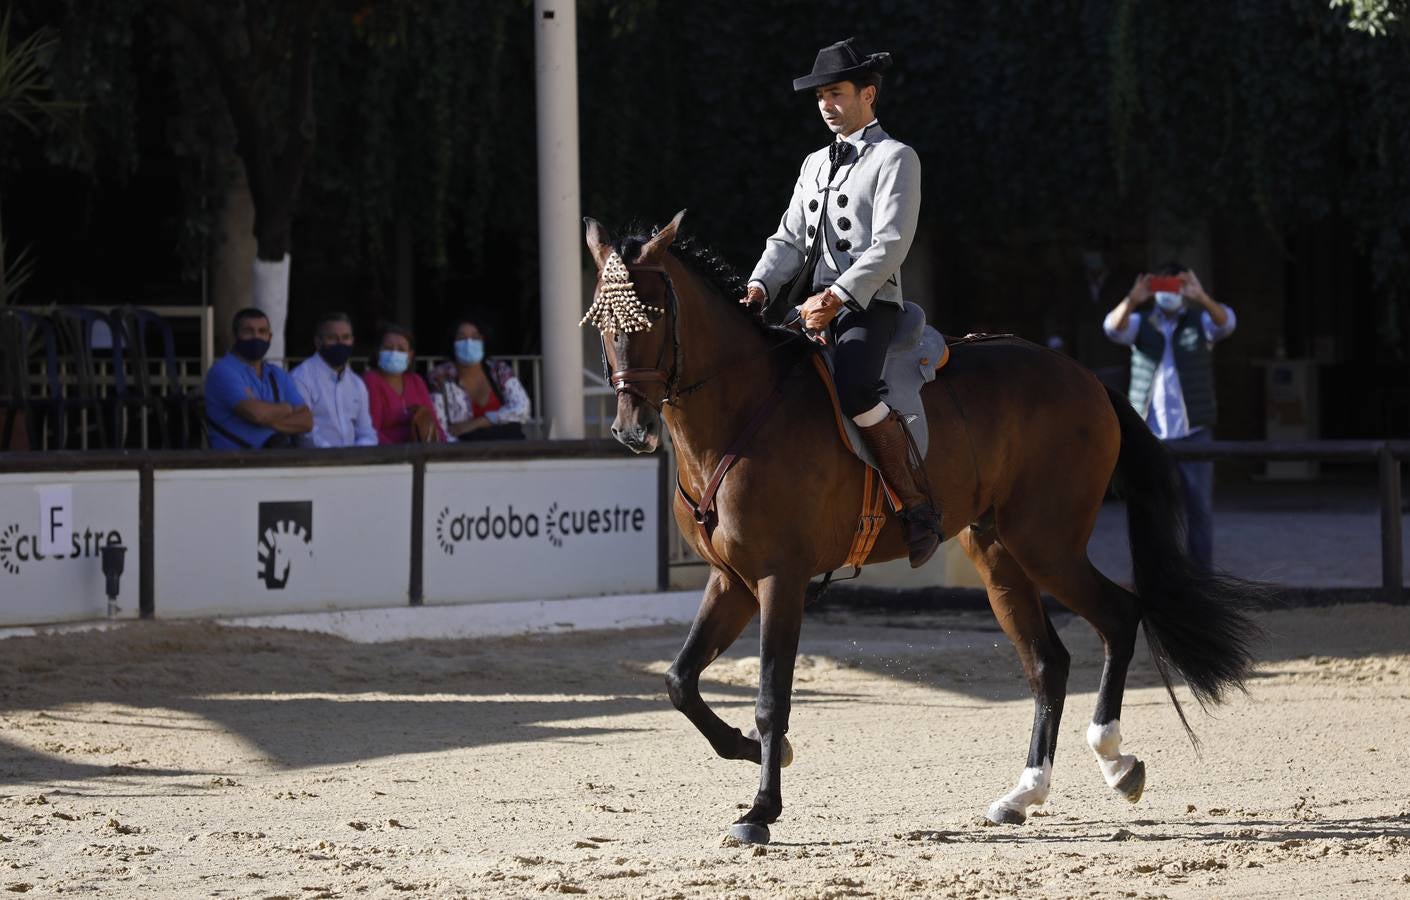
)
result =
(617, 309)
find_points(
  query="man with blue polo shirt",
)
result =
(251, 403)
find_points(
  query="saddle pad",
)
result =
(916, 353)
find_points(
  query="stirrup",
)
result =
(923, 514)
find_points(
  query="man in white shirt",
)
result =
(1172, 376)
(337, 396)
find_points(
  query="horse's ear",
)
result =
(662, 239)
(598, 241)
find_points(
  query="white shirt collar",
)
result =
(857, 136)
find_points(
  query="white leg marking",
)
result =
(1031, 790)
(1105, 741)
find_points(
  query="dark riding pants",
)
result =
(862, 339)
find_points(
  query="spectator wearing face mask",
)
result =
(338, 398)
(1172, 376)
(249, 402)
(399, 403)
(478, 399)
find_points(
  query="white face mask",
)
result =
(1168, 301)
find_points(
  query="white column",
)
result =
(560, 216)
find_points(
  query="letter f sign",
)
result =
(55, 519)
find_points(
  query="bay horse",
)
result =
(1023, 445)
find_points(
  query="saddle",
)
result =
(916, 353)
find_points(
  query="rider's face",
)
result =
(843, 107)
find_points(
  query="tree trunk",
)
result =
(271, 294)
(232, 287)
(275, 149)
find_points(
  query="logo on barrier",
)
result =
(285, 535)
(558, 524)
(18, 548)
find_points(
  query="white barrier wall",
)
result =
(52, 527)
(253, 541)
(537, 529)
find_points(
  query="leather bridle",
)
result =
(626, 381)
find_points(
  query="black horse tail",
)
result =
(1196, 621)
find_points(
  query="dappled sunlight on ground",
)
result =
(193, 760)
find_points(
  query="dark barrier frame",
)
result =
(1388, 455)
(147, 462)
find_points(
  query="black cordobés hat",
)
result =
(841, 62)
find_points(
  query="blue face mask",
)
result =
(1169, 301)
(469, 351)
(393, 362)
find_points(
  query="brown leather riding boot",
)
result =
(889, 444)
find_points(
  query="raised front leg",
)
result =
(781, 611)
(724, 611)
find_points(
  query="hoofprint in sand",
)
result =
(188, 760)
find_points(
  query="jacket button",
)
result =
(844, 223)
(841, 199)
(812, 206)
(844, 244)
(812, 231)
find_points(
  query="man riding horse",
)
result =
(842, 240)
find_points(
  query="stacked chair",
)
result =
(35, 406)
(59, 391)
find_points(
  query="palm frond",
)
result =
(25, 95)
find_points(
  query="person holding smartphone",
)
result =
(1171, 325)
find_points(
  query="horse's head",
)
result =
(634, 309)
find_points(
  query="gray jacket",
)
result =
(868, 212)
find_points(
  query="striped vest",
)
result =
(1193, 362)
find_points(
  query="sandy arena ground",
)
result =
(194, 761)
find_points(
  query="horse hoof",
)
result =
(787, 748)
(999, 814)
(749, 833)
(1134, 784)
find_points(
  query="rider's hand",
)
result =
(820, 309)
(1190, 286)
(1140, 291)
(755, 295)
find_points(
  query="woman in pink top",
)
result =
(398, 401)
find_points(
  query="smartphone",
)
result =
(1168, 283)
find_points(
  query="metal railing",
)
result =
(599, 398)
